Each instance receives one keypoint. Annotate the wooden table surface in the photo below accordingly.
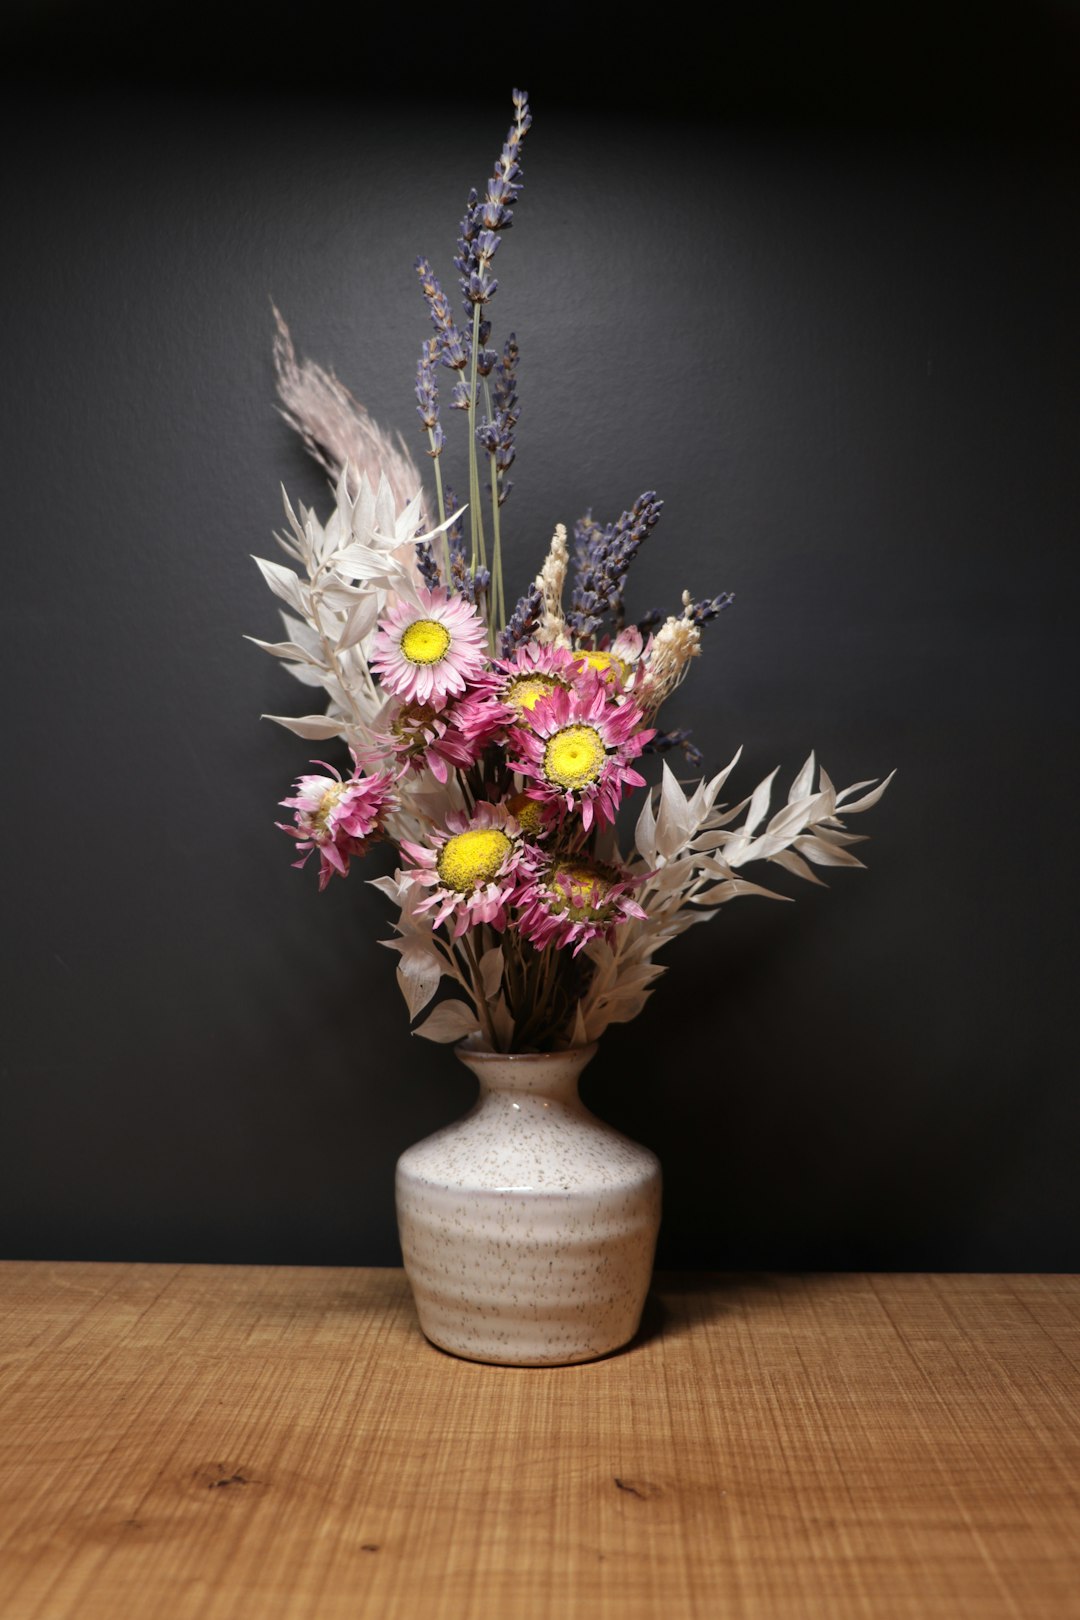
(213, 1441)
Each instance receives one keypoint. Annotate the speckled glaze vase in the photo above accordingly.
(528, 1227)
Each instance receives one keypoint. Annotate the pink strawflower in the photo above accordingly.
(513, 686)
(340, 819)
(577, 747)
(615, 661)
(570, 899)
(426, 653)
(470, 866)
(419, 736)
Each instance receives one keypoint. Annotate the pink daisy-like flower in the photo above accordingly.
(427, 653)
(420, 736)
(569, 899)
(615, 661)
(470, 866)
(511, 689)
(535, 820)
(577, 748)
(340, 819)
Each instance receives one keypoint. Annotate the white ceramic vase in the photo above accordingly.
(528, 1227)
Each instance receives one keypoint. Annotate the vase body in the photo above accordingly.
(528, 1227)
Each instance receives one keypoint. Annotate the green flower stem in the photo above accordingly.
(497, 593)
(479, 999)
(442, 506)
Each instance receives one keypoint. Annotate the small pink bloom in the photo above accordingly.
(340, 819)
(508, 693)
(577, 747)
(614, 661)
(429, 652)
(570, 899)
(419, 736)
(470, 866)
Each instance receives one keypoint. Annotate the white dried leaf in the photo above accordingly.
(303, 633)
(451, 1021)
(316, 727)
(502, 1023)
(361, 620)
(645, 832)
(823, 854)
(804, 782)
(394, 889)
(491, 969)
(283, 649)
(418, 972)
(310, 675)
(673, 822)
(795, 814)
(795, 864)
(284, 583)
(759, 804)
(731, 889)
(867, 800)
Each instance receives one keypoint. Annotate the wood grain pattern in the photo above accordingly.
(197, 1441)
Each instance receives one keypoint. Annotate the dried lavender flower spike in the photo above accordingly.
(452, 347)
(602, 562)
(523, 621)
(710, 606)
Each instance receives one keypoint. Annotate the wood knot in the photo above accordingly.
(223, 1476)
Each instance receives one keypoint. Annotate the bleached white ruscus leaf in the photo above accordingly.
(759, 803)
(491, 969)
(867, 801)
(823, 854)
(451, 1021)
(795, 864)
(310, 674)
(731, 888)
(804, 780)
(645, 833)
(419, 970)
(359, 622)
(315, 727)
(673, 821)
(303, 633)
(708, 792)
(502, 1023)
(284, 649)
(284, 584)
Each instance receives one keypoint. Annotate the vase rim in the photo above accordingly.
(469, 1050)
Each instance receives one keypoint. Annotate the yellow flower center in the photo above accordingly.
(320, 820)
(425, 641)
(604, 663)
(526, 812)
(579, 890)
(574, 757)
(525, 691)
(473, 857)
(410, 718)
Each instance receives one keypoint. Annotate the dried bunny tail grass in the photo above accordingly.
(335, 427)
(550, 581)
(673, 646)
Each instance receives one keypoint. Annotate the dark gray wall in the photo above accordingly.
(841, 340)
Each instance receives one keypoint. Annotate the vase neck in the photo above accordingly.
(551, 1076)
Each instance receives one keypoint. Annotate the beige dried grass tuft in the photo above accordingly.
(336, 429)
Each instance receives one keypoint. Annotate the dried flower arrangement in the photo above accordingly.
(495, 749)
